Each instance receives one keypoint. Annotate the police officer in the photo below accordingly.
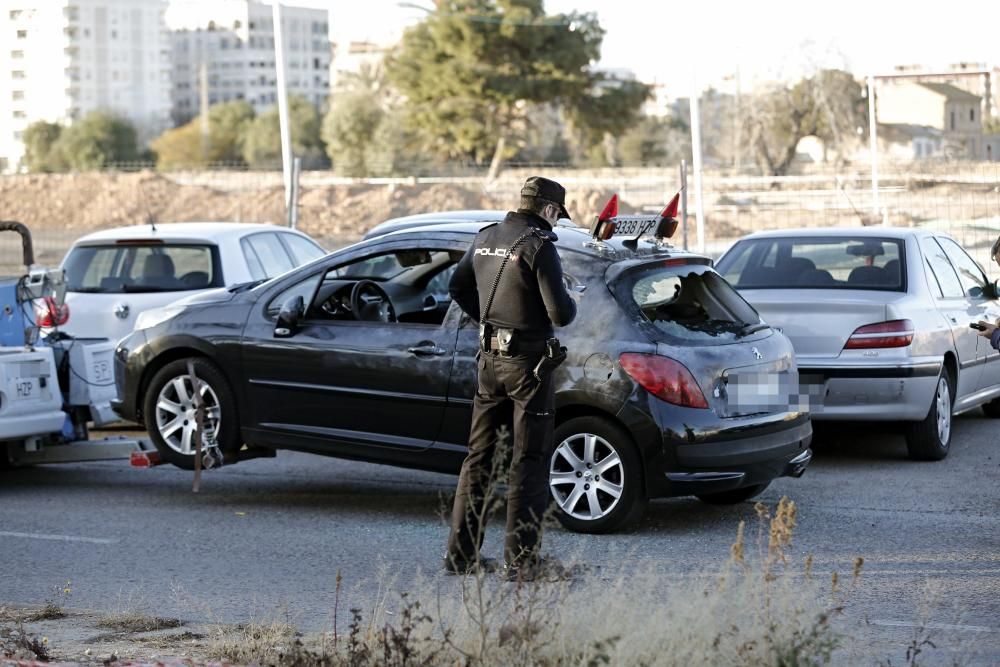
(511, 282)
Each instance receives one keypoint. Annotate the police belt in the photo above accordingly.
(519, 347)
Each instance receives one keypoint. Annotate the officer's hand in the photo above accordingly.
(988, 330)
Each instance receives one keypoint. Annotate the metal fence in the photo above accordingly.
(962, 199)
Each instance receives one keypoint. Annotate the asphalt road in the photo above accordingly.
(274, 532)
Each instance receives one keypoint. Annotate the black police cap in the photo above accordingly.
(543, 188)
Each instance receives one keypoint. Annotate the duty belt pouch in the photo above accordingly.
(506, 344)
(554, 355)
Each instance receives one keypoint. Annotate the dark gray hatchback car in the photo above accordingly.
(673, 385)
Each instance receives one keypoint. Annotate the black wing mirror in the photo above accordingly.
(288, 317)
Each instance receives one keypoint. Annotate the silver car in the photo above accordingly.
(879, 318)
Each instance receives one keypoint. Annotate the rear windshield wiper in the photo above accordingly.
(752, 328)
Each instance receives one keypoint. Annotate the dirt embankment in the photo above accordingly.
(61, 207)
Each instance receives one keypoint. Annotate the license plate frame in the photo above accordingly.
(632, 227)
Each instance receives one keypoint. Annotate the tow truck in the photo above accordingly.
(52, 386)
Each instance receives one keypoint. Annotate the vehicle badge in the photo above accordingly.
(756, 353)
(122, 311)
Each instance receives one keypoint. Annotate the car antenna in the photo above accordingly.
(150, 218)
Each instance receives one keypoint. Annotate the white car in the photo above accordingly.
(114, 275)
(879, 318)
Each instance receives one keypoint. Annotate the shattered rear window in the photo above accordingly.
(690, 303)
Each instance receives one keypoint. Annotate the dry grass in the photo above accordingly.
(51, 611)
(130, 616)
(256, 642)
(134, 621)
(758, 608)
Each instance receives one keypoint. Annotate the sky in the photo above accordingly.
(698, 43)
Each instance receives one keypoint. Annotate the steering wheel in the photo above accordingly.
(368, 299)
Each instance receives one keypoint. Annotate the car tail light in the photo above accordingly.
(897, 333)
(50, 314)
(664, 378)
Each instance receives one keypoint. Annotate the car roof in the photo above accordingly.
(471, 215)
(859, 232)
(180, 231)
(452, 217)
(573, 238)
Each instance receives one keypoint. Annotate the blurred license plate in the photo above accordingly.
(751, 393)
(101, 371)
(25, 389)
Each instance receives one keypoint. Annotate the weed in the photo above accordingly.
(18, 644)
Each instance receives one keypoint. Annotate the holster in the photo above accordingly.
(485, 333)
(554, 355)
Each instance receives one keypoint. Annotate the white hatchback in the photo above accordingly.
(114, 275)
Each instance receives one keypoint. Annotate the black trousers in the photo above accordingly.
(510, 403)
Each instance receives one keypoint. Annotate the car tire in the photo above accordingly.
(733, 497)
(169, 421)
(930, 439)
(572, 474)
(992, 409)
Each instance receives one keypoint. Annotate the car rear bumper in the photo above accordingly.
(689, 452)
(870, 393)
(691, 483)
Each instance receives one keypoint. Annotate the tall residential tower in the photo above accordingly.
(60, 59)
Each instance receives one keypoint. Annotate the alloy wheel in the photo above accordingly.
(586, 476)
(176, 418)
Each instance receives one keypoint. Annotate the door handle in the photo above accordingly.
(430, 350)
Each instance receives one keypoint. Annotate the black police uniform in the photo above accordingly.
(530, 298)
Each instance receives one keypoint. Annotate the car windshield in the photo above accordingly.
(142, 267)
(818, 262)
(688, 304)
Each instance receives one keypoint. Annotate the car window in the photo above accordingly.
(257, 271)
(842, 262)
(942, 272)
(438, 285)
(969, 274)
(270, 252)
(142, 267)
(303, 250)
(689, 303)
(304, 288)
(385, 266)
(415, 280)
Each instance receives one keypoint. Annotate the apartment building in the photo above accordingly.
(61, 59)
(932, 120)
(223, 50)
(976, 78)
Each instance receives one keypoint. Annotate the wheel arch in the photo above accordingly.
(950, 366)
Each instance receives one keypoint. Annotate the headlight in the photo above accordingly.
(150, 318)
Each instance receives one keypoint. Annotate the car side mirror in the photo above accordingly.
(991, 290)
(288, 317)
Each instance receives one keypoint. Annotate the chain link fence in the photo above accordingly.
(962, 199)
